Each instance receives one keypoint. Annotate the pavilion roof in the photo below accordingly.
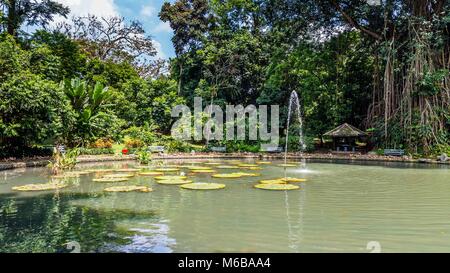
(345, 130)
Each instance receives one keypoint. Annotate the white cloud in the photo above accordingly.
(163, 27)
(100, 8)
(159, 51)
(148, 11)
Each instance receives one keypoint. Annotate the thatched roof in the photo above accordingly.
(345, 130)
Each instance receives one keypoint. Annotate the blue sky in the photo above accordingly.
(146, 11)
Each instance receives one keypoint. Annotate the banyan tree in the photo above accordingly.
(411, 96)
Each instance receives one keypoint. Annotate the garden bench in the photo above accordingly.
(156, 149)
(271, 149)
(219, 149)
(394, 152)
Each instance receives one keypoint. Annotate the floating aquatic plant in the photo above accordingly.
(151, 173)
(128, 189)
(198, 168)
(203, 171)
(203, 186)
(263, 162)
(277, 187)
(248, 165)
(293, 180)
(119, 175)
(273, 181)
(41, 187)
(110, 180)
(170, 177)
(167, 170)
(248, 174)
(173, 182)
(227, 175)
(127, 170)
(227, 167)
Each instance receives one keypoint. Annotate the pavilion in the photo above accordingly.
(345, 137)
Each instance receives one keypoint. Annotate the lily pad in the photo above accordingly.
(127, 170)
(263, 162)
(170, 177)
(248, 165)
(227, 175)
(110, 180)
(203, 186)
(212, 163)
(77, 173)
(173, 182)
(227, 167)
(41, 187)
(293, 180)
(273, 181)
(254, 168)
(249, 174)
(128, 189)
(199, 168)
(151, 173)
(170, 170)
(203, 171)
(119, 175)
(277, 187)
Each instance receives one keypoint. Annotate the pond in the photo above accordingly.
(340, 208)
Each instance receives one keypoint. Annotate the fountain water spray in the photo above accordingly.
(294, 102)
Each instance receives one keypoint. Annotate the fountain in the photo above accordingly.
(294, 102)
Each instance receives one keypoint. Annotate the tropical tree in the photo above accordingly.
(29, 12)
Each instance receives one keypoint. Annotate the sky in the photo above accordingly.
(145, 11)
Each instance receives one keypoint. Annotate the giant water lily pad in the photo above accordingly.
(203, 171)
(119, 175)
(169, 170)
(227, 167)
(293, 180)
(77, 173)
(248, 165)
(203, 186)
(151, 173)
(254, 168)
(272, 181)
(249, 174)
(227, 175)
(170, 177)
(127, 170)
(212, 163)
(110, 180)
(263, 162)
(173, 182)
(41, 187)
(198, 168)
(277, 187)
(128, 189)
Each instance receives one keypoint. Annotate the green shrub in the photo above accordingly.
(96, 151)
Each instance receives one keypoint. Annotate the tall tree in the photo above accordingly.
(112, 39)
(17, 13)
(191, 21)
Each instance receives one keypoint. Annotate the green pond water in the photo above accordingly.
(342, 207)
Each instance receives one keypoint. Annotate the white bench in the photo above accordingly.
(156, 149)
(394, 152)
(271, 149)
(219, 149)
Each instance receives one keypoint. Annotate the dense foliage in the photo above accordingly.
(384, 68)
